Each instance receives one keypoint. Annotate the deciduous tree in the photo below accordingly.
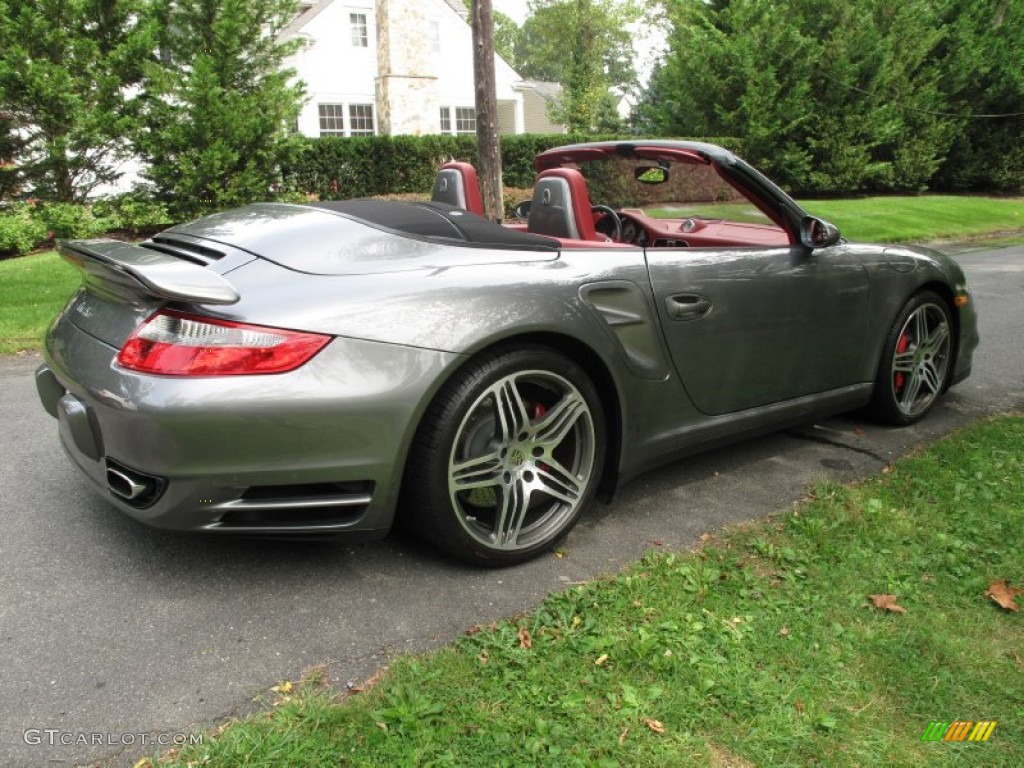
(584, 45)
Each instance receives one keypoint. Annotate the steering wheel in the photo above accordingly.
(615, 220)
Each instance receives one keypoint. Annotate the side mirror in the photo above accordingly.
(818, 233)
(522, 211)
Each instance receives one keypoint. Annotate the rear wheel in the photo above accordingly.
(507, 457)
(916, 362)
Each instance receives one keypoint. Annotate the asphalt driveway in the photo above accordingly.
(110, 630)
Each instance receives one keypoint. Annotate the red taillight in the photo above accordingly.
(177, 344)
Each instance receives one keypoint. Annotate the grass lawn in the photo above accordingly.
(32, 290)
(928, 217)
(886, 219)
(760, 648)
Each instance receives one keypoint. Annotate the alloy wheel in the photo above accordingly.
(522, 460)
(921, 360)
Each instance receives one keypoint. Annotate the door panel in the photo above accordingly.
(752, 326)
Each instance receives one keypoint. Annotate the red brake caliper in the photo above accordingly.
(901, 346)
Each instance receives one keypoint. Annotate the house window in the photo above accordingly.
(446, 120)
(465, 120)
(360, 119)
(332, 120)
(360, 38)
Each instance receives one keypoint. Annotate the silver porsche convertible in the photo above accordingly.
(325, 369)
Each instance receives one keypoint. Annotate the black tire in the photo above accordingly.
(506, 458)
(917, 361)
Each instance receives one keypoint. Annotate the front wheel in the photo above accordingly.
(507, 457)
(916, 362)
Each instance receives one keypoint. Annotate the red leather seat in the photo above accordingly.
(457, 184)
(561, 206)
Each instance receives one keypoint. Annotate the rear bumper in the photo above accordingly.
(319, 450)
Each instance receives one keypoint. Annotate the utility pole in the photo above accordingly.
(488, 145)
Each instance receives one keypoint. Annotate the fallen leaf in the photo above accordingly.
(599, 662)
(622, 736)
(145, 762)
(886, 603)
(483, 658)
(382, 726)
(799, 704)
(1017, 658)
(285, 687)
(1003, 594)
(858, 430)
(369, 682)
(655, 725)
(525, 641)
(886, 469)
(784, 631)
(657, 543)
(219, 729)
(473, 630)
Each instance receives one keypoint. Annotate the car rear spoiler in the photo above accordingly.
(142, 271)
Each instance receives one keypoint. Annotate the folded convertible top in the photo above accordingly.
(438, 220)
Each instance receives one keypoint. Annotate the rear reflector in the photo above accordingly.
(178, 344)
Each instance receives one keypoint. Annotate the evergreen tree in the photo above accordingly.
(11, 146)
(64, 68)
(217, 107)
(983, 79)
(828, 96)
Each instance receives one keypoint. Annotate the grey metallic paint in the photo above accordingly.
(341, 417)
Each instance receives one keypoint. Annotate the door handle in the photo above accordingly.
(687, 306)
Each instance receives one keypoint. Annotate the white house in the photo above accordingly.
(399, 67)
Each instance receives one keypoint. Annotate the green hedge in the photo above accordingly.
(20, 230)
(340, 168)
(365, 166)
(28, 225)
(328, 168)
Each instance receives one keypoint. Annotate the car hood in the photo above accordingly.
(367, 237)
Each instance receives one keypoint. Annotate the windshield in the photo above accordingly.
(692, 191)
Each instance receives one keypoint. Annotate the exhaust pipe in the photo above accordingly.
(124, 485)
